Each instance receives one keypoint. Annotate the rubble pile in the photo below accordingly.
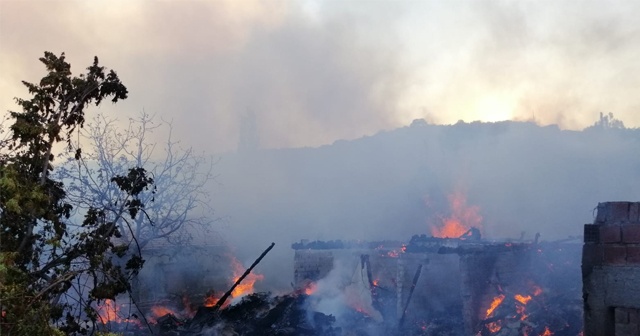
(430, 286)
(255, 314)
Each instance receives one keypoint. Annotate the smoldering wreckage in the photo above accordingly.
(426, 286)
(467, 285)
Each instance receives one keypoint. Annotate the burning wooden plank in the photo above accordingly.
(208, 315)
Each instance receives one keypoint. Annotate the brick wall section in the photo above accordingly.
(614, 238)
(626, 321)
(611, 269)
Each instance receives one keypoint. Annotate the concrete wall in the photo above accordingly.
(611, 270)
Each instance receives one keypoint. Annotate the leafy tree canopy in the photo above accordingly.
(53, 266)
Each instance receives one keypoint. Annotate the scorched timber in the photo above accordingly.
(208, 315)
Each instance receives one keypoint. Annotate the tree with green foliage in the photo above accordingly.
(44, 251)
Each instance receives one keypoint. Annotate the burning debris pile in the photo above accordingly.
(253, 314)
(493, 288)
(460, 286)
(465, 285)
(545, 300)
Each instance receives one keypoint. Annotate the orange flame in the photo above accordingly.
(210, 301)
(522, 298)
(246, 286)
(494, 304)
(108, 312)
(462, 218)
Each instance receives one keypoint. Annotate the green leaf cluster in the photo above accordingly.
(44, 247)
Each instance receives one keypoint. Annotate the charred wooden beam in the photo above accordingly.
(365, 264)
(244, 275)
(413, 287)
(207, 315)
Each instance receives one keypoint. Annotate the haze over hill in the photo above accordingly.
(317, 71)
(522, 177)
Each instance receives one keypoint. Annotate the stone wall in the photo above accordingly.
(611, 270)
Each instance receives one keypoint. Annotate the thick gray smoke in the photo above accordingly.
(315, 72)
(522, 179)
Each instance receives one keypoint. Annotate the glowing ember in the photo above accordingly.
(522, 298)
(546, 332)
(311, 288)
(210, 301)
(462, 218)
(159, 311)
(494, 304)
(396, 253)
(537, 290)
(188, 309)
(494, 327)
(376, 282)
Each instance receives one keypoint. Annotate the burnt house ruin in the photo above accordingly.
(469, 285)
(466, 285)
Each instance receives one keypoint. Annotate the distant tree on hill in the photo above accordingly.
(607, 121)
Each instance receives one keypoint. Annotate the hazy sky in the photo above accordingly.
(317, 71)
